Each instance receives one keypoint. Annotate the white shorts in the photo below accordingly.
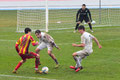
(83, 53)
(43, 45)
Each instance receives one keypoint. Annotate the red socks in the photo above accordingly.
(18, 65)
(36, 63)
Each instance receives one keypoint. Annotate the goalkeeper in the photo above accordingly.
(46, 41)
(83, 14)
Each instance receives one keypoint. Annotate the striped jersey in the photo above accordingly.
(24, 43)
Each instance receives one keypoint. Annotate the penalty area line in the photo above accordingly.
(79, 41)
(64, 43)
(36, 78)
(7, 40)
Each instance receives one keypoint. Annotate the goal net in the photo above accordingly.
(64, 17)
(32, 18)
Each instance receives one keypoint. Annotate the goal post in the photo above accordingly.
(47, 16)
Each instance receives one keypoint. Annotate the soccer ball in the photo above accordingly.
(93, 22)
(45, 70)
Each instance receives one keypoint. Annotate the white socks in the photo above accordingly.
(78, 62)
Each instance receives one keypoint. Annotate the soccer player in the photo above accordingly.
(83, 14)
(23, 52)
(46, 41)
(86, 43)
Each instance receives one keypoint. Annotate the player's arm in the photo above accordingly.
(90, 15)
(17, 46)
(82, 43)
(51, 40)
(79, 45)
(97, 42)
(77, 15)
(33, 41)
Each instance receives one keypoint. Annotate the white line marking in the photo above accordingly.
(86, 30)
(62, 28)
(66, 43)
(79, 41)
(36, 78)
(7, 40)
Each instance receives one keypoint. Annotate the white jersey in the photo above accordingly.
(45, 38)
(46, 41)
(86, 38)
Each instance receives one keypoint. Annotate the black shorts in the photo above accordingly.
(86, 19)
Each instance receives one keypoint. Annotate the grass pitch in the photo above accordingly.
(103, 64)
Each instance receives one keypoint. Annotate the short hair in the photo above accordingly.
(27, 30)
(37, 31)
(81, 27)
(83, 4)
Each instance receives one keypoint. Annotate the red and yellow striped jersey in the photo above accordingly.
(24, 43)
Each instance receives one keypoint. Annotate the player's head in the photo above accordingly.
(83, 6)
(81, 29)
(38, 33)
(27, 30)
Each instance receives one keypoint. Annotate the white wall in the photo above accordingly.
(64, 3)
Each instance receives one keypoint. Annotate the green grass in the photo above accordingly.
(103, 64)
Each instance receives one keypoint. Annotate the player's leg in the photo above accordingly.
(53, 57)
(78, 56)
(75, 56)
(19, 64)
(37, 50)
(36, 56)
(77, 25)
(50, 48)
(80, 21)
(89, 23)
(78, 64)
(82, 54)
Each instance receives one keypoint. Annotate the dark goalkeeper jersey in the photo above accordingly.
(83, 13)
